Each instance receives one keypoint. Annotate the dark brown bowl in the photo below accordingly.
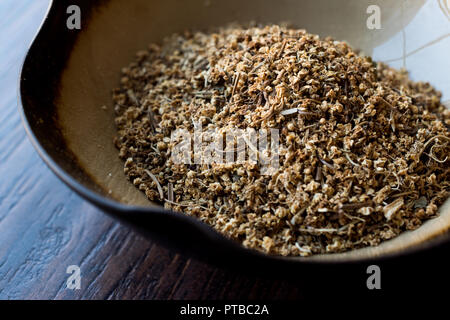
(68, 76)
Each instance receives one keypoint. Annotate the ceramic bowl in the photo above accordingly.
(68, 76)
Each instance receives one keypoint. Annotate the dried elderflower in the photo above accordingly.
(363, 151)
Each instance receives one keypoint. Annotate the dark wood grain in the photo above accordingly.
(45, 227)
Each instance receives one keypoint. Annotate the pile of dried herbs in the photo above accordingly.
(363, 150)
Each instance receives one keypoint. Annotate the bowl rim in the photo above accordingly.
(120, 210)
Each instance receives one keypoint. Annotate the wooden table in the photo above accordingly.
(45, 227)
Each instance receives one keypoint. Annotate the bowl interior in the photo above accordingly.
(115, 30)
